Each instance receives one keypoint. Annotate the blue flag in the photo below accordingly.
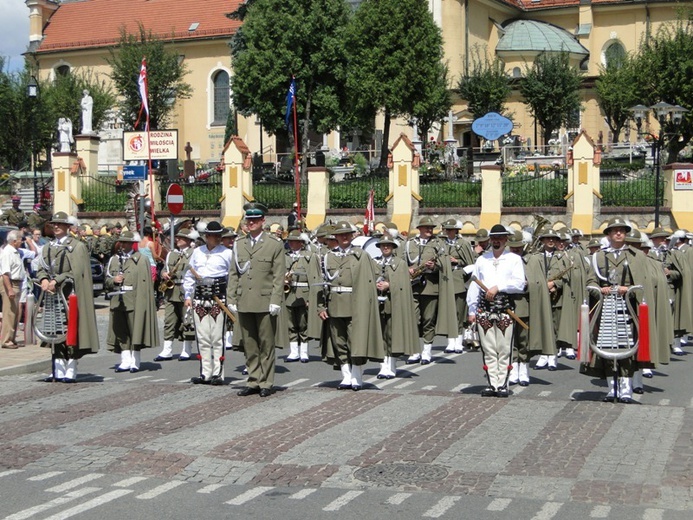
(290, 101)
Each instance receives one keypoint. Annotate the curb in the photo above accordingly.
(43, 365)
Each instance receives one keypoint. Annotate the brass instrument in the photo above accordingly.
(288, 277)
(167, 285)
(540, 223)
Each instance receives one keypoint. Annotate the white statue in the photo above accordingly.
(65, 134)
(87, 106)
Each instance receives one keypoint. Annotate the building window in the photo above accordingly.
(62, 71)
(221, 102)
(614, 55)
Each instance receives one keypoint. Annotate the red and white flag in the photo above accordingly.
(369, 219)
(142, 81)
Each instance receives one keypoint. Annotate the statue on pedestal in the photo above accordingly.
(65, 138)
(87, 111)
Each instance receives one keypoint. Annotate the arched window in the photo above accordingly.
(221, 98)
(614, 55)
(62, 71)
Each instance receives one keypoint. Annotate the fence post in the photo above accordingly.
(67, 187)
(491, 196)
(678, 183)
(237, 181)
(583, 182)
(318, 196)
(403, 163)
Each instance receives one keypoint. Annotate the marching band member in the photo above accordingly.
(66, 259)
(296, 293)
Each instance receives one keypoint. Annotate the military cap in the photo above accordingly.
(184, 233)
(229, 232)
(386, 241)
(452, 224)
(426, 222)
(342, 227)
(127, 236)
(550, 233)
(16, 198)
(322, 231)
(214, 228)
(576, 232)
(594, 243)
(564, 234)
(255, 210)
(516, 239)
(61, 218)
(633, 237)
(499, 230)
(616, 222)
(481, 235)
(295, 235)
(659, 233)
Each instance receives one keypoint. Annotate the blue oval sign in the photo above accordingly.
(492, 126)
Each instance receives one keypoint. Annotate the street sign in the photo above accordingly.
(174, 198)
(492, 126)
(135, 173)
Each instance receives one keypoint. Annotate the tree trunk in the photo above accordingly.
(384, 148)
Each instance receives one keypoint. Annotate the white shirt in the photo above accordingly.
(207, 264)
(11, 263)
(505, 272)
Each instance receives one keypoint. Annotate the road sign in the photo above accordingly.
(174, 198)
(135, 173)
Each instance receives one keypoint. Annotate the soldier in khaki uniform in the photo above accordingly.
(255, 292)
(133, 324)
(296, 292)
(174, 311)
(14, 215)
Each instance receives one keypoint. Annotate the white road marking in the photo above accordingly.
(441, 507)
(600, 512)
(248, 495)
(429, 387)
(398, 498)
(637, 397)
(157, 380)
(548, 511)
(90, 504)
(337, 504)
(74, 483)
(184, 381)
(107, 378)
(293, 383)
(303, 494)
(138, 378)
(461, 387)
(210, 488)
(499, 504)
(664, 402)
(405, 384)
(159, 490)
(545, 393)
(68, 497)
(45, 476)
(129, 482)
(518, 389)
(10, 472)
(653, 514)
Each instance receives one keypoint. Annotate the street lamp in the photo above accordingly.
(32, 92)
(669, 116)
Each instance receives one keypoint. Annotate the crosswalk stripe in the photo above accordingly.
(45, 476)
(10, 472)
(429, 387)
(160, 490)
(653, 514)
(294, 383)
(600, 512)
(519, 389)
(461, 387)
(129, 482)
(545, 393)
(65, 486)
(441, 507)
(548, 510)
(405, 384)
(303, 494)
(398, 498)
(157, 380)
(337, 504)
(138, 378)
(184, 380)
(665, 402)
(69, 497)
(248, 495)
(90, 504)
(210, 488)
(499, 504)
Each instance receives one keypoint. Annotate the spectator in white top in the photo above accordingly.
(13, 276)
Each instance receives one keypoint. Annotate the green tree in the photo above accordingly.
(617, 92)
(165, 77)
(395, 56)
(485, 85)
(281, 38)
(665, 71)
(435, 101)
(14, 132)
(550, 89)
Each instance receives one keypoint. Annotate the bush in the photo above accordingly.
(527, 192)
(450, 194)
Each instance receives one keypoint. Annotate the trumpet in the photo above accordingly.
(166, 285)
(288, 277)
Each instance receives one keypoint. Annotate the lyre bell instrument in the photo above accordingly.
(51, 324)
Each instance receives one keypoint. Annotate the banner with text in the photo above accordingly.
(164, 145)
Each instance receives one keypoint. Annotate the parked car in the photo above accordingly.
(97, 276)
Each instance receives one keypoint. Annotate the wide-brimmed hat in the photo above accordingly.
(617, 222)
(229, 232)
(214, 228)
(342, 227)
(594, 243)
(255, 210)
(127, 236)
(295, 235)
(61, 218)
(516, 239)
(426, 222)
(451, 223)
(550, 233)
(576, 232)
(184, 233)
(481, 235)
(633, 237)
(659, 233)
(499, 230)
(387, 241)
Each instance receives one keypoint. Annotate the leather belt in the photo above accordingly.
(340, 289)
(125, 288)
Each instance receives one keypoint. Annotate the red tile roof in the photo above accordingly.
(97, 23)
(529, 5)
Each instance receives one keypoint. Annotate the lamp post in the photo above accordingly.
(669, 118)
(32, 92)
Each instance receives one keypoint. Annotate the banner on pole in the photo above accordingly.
(164, 145)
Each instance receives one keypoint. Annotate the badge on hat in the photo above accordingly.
(342, 227)
(255, 210)
(60, 218)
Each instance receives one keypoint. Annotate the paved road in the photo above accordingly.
(424, 445)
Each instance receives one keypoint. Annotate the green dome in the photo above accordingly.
(534, 36)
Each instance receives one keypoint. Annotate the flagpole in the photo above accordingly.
(297, 176)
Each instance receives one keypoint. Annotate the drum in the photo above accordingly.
(368, 244)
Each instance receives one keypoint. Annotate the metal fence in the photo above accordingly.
(199, 195)
(548, 189)
(353, 193)
(636, 189)
(103, 193)
(278, 194)
(445, 193)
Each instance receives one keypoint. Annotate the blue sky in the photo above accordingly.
(14, 32)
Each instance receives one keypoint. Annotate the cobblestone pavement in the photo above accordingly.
(393, 443)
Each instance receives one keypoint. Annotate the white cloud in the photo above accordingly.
(14, 32)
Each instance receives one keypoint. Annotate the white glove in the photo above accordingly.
(274, 309)
(233, 308)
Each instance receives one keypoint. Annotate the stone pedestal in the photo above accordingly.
(67, 186)
(237, 181)
(403, 162)
(87, 146)
(318, 196)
